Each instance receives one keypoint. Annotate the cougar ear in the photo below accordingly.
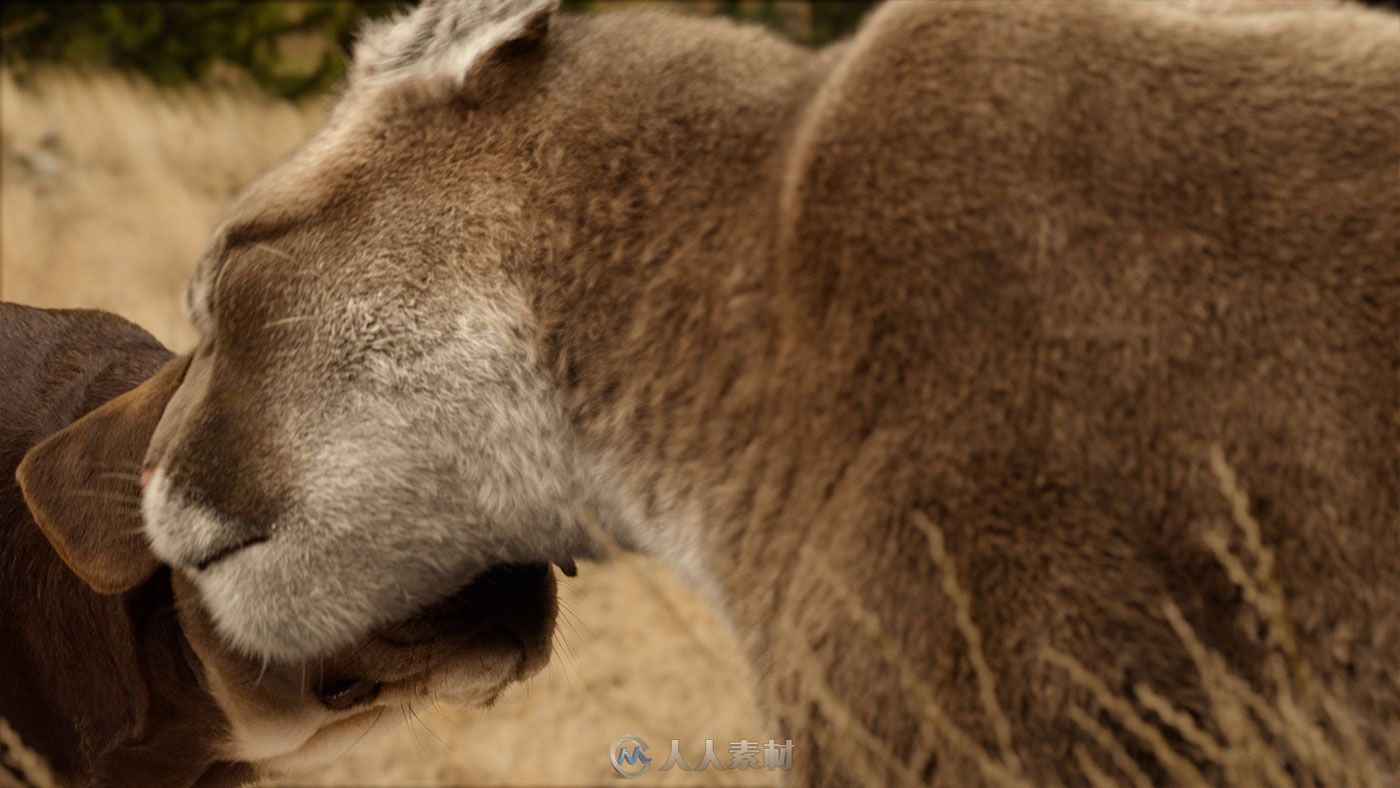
(449, 40)
(81, 485)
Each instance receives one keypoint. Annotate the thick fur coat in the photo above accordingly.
(1046, 297)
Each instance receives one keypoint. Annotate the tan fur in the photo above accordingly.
(1016, 268)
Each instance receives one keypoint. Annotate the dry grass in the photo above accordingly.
(107, 193)
(109, 190)
(1294, 733)
(19, 765)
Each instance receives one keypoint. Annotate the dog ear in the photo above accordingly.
(81, 484)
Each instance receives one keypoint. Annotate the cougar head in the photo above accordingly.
(365, 425)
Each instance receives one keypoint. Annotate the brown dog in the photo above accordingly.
(112, 671)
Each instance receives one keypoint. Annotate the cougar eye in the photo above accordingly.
(341, 694)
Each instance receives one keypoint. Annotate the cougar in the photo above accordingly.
(967, 336)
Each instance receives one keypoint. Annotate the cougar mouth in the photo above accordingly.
(226, 552)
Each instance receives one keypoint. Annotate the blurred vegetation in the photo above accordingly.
(289, 48)
(293, 47)
(297, 47)
(824, 19)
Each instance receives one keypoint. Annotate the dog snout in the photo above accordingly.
(469, 647)
(507, 612)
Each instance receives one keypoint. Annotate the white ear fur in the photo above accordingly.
(445, 40)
